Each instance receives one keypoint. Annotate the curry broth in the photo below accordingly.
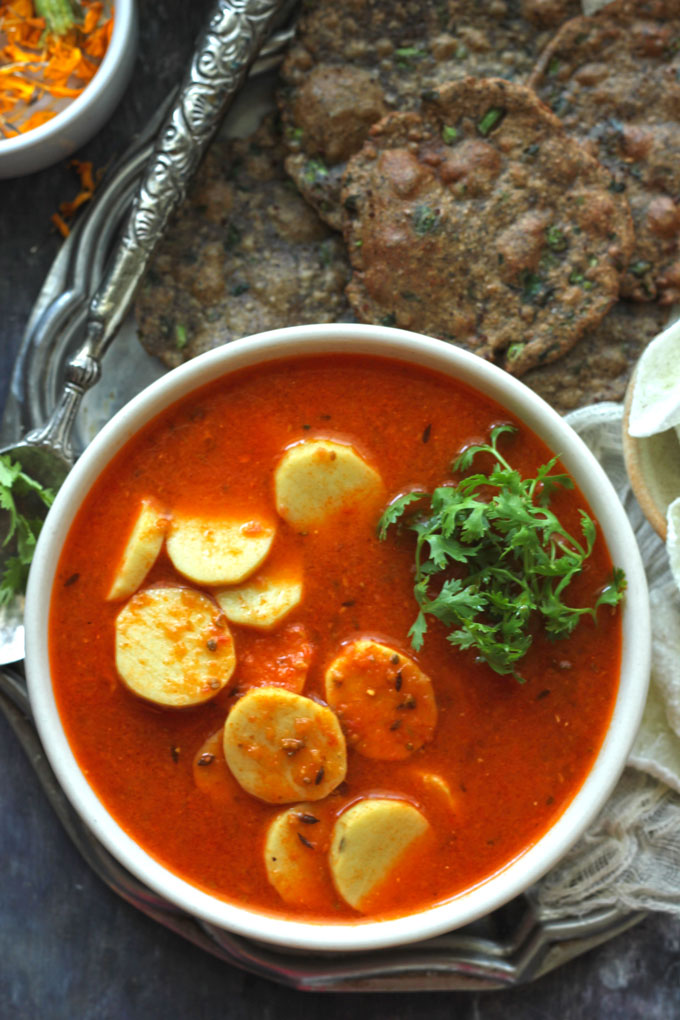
(514, 755)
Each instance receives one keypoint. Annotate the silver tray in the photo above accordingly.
(511, 946)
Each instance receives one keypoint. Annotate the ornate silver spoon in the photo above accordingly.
(235, 32)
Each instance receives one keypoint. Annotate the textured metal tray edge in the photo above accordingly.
(460, 960)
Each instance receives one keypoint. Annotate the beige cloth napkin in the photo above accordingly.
(630, 857)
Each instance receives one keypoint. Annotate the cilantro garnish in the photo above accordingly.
(394, 511)
(493, 116)
(15, 487)
(556, 238)
(425, 219)
(181, 338)
(491, 558)
(407, 54)
(314, 169)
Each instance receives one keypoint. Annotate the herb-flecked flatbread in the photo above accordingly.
(246, 253)
(615, 84)
(599, 366)
(355, 61)
(483, 223)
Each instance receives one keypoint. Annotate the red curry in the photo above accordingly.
(513, 754)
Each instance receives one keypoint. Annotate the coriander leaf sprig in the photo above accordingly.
(15, 488)
(491, 557)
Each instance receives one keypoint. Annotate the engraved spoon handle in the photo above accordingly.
(228, 46)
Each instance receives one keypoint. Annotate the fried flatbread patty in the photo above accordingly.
(599, 366)
(246, 253)
(482, 222)
(615, 84)
(355, 61)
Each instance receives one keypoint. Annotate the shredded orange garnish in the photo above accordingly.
(60, 224)
(36, 119)
(88, 183)
(84, 171)
(39, 67)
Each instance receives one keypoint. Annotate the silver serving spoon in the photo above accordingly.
(236, 30)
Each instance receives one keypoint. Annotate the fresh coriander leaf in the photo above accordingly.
(588, 529)
(22, 531)
(27, 536)
(13, 580)
(611, 595)
(9, 472)
(394, 511)
(443, 549)
(464, 460)
(418, 630)
(512, 558)
(454, 602)
(546, 483)
(7, 503)
(23, 484)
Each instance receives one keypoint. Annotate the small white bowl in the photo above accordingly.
(81, 119)
(538, 416)
(653, 466)
(647, 460)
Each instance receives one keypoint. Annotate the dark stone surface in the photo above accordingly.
(72, 950)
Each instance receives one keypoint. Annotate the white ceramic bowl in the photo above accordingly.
(537, 415)
(653, 466)
(81, 119)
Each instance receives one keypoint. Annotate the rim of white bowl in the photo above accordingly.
(123, 23)
(524, 870)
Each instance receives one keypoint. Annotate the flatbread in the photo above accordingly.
(245, 254)
(354, 62)
(483, 223)
(615, 84)
(599, 366)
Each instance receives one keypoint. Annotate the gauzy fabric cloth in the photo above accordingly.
(630, 856)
